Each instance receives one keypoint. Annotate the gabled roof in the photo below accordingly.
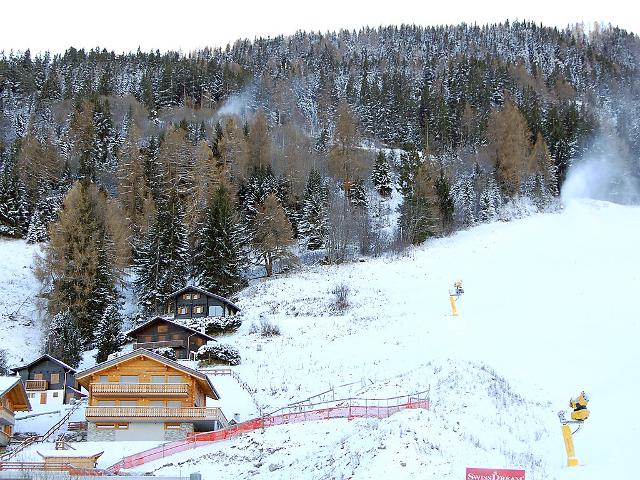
(14, 386)
(164, 319)
(204, 380)
(46, 356)
(204, 292)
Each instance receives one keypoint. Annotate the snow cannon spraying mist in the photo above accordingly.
(454, 295)
(578, 416)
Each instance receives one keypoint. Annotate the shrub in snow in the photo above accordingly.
(341, 292)
(265, 328)
(218, 353)
(166, 352)
(215, 325)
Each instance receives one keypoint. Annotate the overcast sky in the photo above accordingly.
(190, 24)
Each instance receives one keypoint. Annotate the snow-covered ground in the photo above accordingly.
(19, 309)
(546, 313)
(546, 307)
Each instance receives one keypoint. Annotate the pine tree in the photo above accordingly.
(13, 206)
(109, 338)
(219, 260)
(358, 194)
(162, 259)
(490, 201)
(63, 339)
(419, 213)
(445, 202)
(381, 175)
(37, 231)
(314, 216)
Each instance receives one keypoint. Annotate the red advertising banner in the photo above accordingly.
(493, 474)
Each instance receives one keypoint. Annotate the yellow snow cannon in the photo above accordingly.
(579, 406)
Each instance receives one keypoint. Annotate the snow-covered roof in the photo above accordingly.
(47, 357)
(204, 292)
(154, 356)
(7, 383)
(164, 319)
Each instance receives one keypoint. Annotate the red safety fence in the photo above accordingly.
(346, 408)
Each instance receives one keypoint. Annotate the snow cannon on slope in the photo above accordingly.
(453, 296)
(578, 416)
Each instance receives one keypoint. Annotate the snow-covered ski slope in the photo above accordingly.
(549, 310)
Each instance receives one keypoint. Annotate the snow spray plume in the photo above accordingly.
(606, 173)
(237, 104)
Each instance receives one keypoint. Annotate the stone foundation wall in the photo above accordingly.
(95, 434)
(172, 435)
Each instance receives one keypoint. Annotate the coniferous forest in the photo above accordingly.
(213, 167)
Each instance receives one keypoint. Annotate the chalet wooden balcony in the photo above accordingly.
(6, 417)
(37, 385)
(155, 413)
(161, 344)
(137, 389)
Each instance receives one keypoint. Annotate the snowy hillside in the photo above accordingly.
(19, 309)
(545, 307)
(546, 313)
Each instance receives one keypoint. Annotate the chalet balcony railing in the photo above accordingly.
(38, 385)
(6, 417)
(161, 344)
(163, 413)
(120, 389)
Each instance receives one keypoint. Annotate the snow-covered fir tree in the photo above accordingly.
(37, 231)
(314, 217)
(162, 259)
(63, 339)
(109, 338)
(381, 175)
(358, 194)
(220, 258)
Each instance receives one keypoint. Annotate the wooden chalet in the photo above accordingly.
(14, 399)
(145, 396)
(49, 381)
(194, 302)
(160, 332)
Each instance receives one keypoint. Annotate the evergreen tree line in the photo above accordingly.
(128, 163)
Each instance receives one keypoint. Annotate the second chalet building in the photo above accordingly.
(160, 332)
(145, 396)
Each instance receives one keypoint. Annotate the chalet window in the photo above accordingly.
(174, 379)
(55, 394)
(163, 328)
(38, 376)
(176, 336)
(55, 378)
(195, 296)
(105, 426)
(186, 296)
(174, 404)
(156, 403)
(215, 311)
(172, 426)
(182, 310)
(31, 395)
(104, 379)
(122, 426)
(198, 309)
(128, 379)
(162, 338)
(128, 403)
(106, 403)
(157, 378)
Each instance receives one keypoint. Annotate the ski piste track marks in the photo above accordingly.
(346, 408)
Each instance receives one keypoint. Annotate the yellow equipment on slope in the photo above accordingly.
(453, 296)
(578, 415)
